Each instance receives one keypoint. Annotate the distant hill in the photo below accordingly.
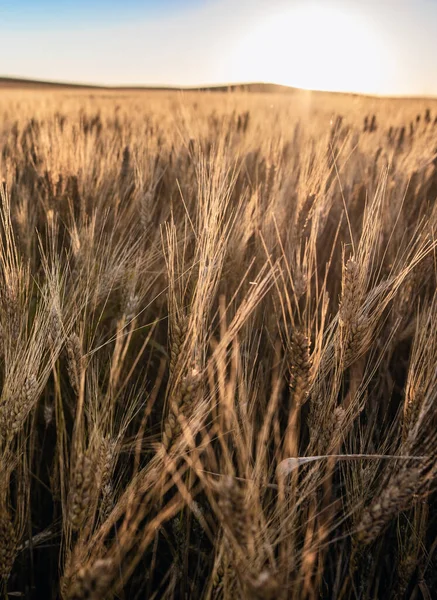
(12, 82)
(256, 87)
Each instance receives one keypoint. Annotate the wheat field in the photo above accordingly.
(218, 346)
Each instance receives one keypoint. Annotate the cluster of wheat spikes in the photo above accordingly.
(218, 346)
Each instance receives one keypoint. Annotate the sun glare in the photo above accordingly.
(314, 46)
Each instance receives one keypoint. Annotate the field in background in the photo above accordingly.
(196, 289)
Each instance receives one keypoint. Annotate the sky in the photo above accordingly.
(369, 46)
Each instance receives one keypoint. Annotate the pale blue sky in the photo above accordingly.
(379, 46)
(31, 14)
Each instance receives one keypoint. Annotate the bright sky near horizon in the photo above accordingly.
(372, 46)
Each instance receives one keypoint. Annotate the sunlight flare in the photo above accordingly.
(315, 46)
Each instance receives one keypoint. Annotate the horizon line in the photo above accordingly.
(227, 86)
